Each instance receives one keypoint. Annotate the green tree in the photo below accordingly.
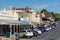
(44, 11)
(52, 13)
(57, 16)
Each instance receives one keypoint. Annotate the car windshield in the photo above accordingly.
(28, 30)
(36, 29)
(23, 31)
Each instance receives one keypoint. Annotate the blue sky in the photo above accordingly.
(50, 5)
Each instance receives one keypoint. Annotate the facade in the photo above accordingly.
(26, 13)
(9, 20)
(48, 15)
(8, 14)
(46, 18)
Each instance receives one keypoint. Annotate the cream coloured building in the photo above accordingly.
(31, 15)
(27, 14)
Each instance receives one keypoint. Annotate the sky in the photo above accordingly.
(50, 5)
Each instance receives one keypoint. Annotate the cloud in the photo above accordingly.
(41, 6)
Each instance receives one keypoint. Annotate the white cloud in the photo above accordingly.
(41, 6)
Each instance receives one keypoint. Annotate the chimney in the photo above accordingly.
(14, 8)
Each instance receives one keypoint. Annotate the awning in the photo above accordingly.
(5, 21)
(28, 22)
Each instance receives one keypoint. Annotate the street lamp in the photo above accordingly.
(31, 25)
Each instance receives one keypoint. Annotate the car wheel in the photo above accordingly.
(35, 34)
(28, 36)
(44, 30)
(53, 27)
(24, 36)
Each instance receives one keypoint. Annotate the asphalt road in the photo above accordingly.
(53, 34)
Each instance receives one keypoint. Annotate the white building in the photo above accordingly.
(8, 14)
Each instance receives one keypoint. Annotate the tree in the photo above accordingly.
(44, 11)
(52, 13)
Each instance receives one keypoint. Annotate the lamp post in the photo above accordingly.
(31, 25)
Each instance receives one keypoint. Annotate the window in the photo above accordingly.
(24, 27)
(19, 19)
(22, 16)
(4, 13)
(36, 16)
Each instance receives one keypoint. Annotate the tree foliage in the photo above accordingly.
(55, 15)
(44, 11)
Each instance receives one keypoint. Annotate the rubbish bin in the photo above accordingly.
(15, 33)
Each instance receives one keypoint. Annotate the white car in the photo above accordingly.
(39, 32)
(26, 33)
(47, 27)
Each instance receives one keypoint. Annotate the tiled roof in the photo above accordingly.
(23, 9)
(48, 15)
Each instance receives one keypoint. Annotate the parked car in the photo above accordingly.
(53, 25)
(42, 29)
(26, 33)
(35, 33)
(47, 27)
(37, 30)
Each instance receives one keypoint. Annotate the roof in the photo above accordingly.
(45, 15)
(48, 15)
(23, 9)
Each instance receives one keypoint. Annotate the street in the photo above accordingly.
(53, 34)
